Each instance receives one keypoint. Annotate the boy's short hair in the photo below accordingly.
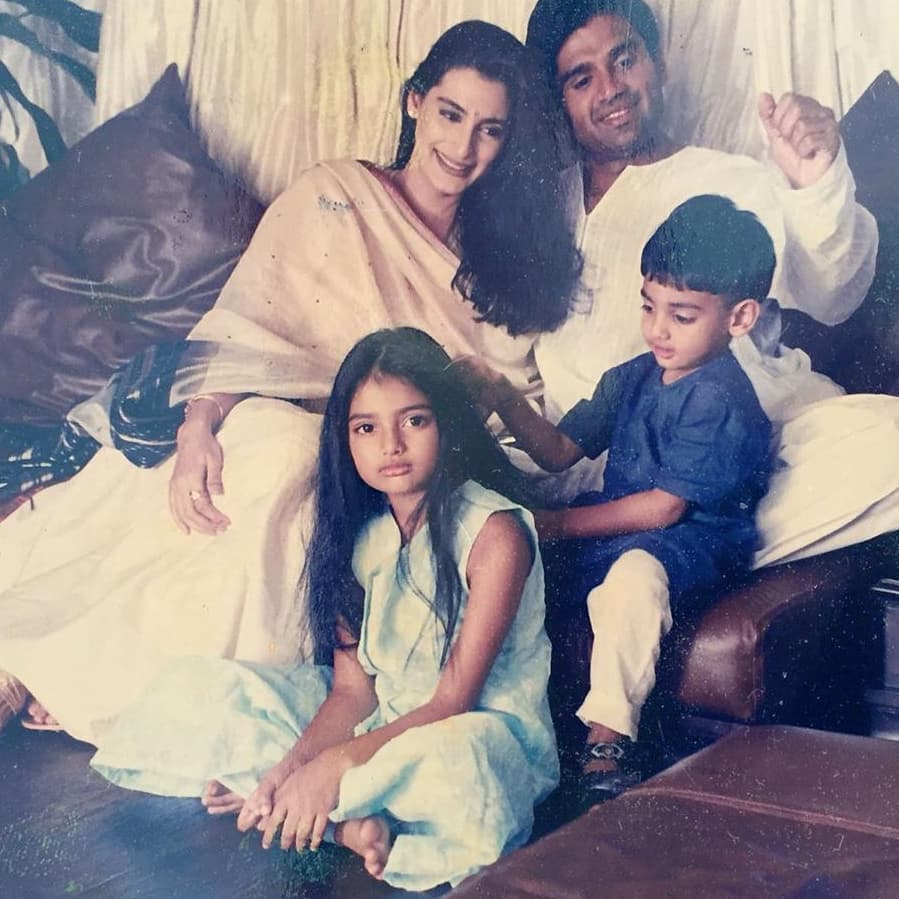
(553, 21)
(709, 245)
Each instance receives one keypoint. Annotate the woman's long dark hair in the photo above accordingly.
(519, 262)
(344, 503)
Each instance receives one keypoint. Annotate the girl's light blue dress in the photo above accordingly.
(462, 790)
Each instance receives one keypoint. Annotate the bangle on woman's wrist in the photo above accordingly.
(205, 396)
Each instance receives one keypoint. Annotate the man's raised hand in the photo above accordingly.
(803, 134)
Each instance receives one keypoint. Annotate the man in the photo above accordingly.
(604, 58)
(837, 483)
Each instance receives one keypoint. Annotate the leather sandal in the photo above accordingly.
(601, 785)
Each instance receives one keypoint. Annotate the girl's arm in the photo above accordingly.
(351, 700)
(498, 566)
(198, 465)
(497, 569)
(644, 511)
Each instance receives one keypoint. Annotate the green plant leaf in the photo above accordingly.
(81, 25)
(12, 28)
(51, 140)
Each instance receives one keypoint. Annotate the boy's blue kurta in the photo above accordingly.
(703, 438)
(462, 789)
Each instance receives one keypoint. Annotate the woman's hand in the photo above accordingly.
(197, 477)
(304, 800)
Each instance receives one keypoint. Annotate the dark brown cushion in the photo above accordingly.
(862, 354)
(767, 769)
(124, 242)
(766, 811)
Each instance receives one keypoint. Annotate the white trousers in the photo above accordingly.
(629, 614)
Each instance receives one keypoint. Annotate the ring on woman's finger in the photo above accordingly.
(194, 495)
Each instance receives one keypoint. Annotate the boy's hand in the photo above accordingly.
(485, 384)
(541, 440)
(804, 136)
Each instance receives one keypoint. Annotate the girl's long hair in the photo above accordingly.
(519, 261)
(344, 503)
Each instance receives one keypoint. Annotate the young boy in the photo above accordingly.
(689, 457)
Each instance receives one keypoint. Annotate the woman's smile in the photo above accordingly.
(457, 170)
(460, 128)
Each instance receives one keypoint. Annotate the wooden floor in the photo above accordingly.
(65, 831)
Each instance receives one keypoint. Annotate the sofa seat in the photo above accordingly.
(764, 812)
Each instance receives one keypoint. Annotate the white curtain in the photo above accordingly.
(722, 53)
(277, 84)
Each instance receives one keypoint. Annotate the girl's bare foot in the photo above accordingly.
(369, 837)
(38, 718)
(219, 800)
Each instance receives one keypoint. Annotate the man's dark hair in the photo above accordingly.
(552, 22)
(709, 245)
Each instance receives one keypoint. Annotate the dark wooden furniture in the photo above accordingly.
(765, 812)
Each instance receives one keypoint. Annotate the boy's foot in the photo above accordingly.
(219, 800)
(36, 717)
(608, 769)
(369, 837)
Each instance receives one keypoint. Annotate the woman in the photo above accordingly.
(462, 237)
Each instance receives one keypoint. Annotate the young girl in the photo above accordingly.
(434, 740)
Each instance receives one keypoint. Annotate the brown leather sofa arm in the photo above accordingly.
(748, 649)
